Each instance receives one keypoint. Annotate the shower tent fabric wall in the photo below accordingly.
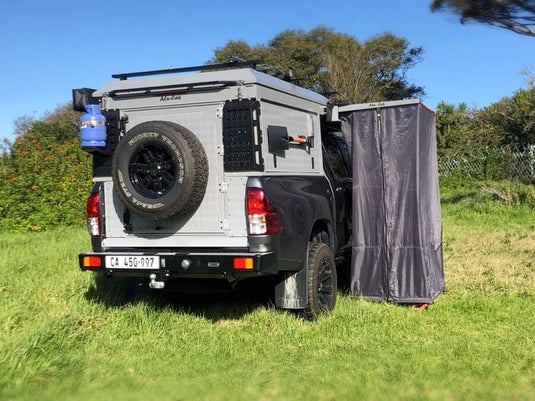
(397, 224)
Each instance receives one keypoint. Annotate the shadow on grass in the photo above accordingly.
(457, 198)
(211, 299)
(214, 301)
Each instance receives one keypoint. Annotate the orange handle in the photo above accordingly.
(299, 140)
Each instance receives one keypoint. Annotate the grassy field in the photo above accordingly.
(66, 335)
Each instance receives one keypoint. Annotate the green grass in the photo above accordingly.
(66, 335)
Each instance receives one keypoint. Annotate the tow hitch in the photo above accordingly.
(155, 285)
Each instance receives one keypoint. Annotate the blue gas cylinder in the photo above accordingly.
(93, 127)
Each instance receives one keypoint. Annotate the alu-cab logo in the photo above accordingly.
(167, 97)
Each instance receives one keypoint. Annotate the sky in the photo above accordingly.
(50, 47)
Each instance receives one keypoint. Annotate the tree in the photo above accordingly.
(373, 70)
(515, 15)
(329, 61)
(453, 126)
(513, 117)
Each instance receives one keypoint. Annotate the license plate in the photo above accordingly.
(132, 262)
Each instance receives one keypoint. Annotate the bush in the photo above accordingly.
(44, 178)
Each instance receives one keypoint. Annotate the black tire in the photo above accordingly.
(321, 281)
(160, 170)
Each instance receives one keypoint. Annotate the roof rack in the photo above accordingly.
(254, 64)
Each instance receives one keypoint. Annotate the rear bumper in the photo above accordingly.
(172, 265)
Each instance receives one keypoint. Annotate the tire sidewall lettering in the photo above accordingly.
(178, 155)
(139, 137)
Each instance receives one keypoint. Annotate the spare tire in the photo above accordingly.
(160, 170)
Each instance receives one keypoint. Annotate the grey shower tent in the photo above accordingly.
(397, 226)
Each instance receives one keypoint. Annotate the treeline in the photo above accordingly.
(510, 121)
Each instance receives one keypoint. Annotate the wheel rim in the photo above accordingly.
(325, 285)
(152, 170)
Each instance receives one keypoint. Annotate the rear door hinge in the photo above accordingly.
(224, 225)
(219, 111)
(221, 150)
(223, 187)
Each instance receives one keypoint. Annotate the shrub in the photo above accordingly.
(44, 178)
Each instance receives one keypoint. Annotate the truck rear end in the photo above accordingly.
(207, 175)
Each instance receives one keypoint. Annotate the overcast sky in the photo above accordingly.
(48, 48)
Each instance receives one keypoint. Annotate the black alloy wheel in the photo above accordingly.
(152, 170)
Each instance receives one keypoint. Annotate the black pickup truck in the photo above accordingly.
(229, 173)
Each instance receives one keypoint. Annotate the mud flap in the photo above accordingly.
(291, 291)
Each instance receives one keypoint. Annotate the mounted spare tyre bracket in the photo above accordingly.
(126, 221)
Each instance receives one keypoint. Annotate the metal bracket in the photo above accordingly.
(223, 187)
(332, 113)
(126, 221)
(122, 125)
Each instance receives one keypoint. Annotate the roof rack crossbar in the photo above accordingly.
(208, 67)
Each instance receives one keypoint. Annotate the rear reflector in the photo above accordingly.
(243, 263)
(92, 261)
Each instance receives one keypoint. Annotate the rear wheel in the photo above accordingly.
(321, 281)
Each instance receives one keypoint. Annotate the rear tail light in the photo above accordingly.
(91, 261)
(93, 214)
(243, 263)
(261, 214)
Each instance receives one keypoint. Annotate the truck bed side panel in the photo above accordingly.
(300, 202)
